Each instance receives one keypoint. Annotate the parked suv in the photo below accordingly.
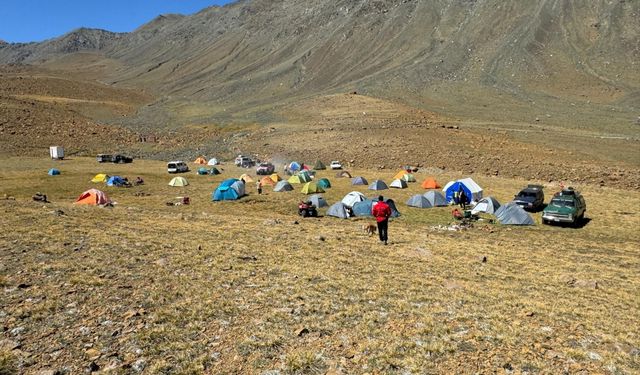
(104, 158)
(121, 159)
(265, 168)
(530, 198)
(244, 161)
(177, 167)
(567, 206)
(335, 165)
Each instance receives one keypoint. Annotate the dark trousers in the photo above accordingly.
(382, 229)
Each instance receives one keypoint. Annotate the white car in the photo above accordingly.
(177, 166)
(335, 165)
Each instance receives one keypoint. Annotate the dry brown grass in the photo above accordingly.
(239, 287)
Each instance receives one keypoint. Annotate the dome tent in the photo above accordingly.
(359, 181)
(419, 201)
(178, 181)
(283, 186)
(318, 201)
(378, 185)
(512, 214)
(399, 184)
(338, 210)
(93, 197)
(436, 198)
(229, 189)
(488, 205)
(53, 172)
(350, 199)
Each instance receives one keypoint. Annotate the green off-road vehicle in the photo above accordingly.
(567, 206)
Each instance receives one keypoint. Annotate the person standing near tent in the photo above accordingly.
(381, 211)
(259, 187)
(462, 197)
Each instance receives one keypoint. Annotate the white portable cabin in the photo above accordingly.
(56, 152)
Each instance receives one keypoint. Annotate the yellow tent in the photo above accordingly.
(201, 160)
(246, 178)
(311, 187)
(295, 179)
(400, 174)
(275, 177)
(100, 177)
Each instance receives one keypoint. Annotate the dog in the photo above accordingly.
(369, 229)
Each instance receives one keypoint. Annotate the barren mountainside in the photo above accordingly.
(446, 55)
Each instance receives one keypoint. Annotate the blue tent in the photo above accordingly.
(324, 183)
(203, 171)
(115, 181)
(363, 208)
(294, 166)
(359, 181)
(53, 172)
(229, 189)
(471, 189)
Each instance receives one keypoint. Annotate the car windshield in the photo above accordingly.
(527, 194)
(562, 202)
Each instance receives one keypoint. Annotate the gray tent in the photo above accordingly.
(359, 181)
(283, 186)
(419, 201)
(399, 184)
(487, 205)
(378, 185)
(337, 210)
(512, 214)
(435, 198)
(318, 201)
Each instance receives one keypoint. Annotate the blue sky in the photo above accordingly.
(37, 20)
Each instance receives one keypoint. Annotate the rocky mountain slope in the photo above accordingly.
(460, 57)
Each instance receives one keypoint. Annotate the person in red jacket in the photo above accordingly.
(381, 211)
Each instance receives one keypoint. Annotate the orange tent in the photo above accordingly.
(267, 181)
(399, 175)
(201, 160)
(93, 197)
(430, 183)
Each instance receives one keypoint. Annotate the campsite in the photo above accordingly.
(194, 194)
(229, 285)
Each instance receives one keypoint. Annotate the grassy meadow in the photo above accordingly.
(250, 287)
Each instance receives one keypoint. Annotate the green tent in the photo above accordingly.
(324, 183)
(319, 166)
(311, 188)
(304, 176)
(214, 171)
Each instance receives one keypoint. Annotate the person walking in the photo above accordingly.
(381, 211)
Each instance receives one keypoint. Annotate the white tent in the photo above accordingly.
(212, 161)
(487, 205)
(352, 198)
(399, 184)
